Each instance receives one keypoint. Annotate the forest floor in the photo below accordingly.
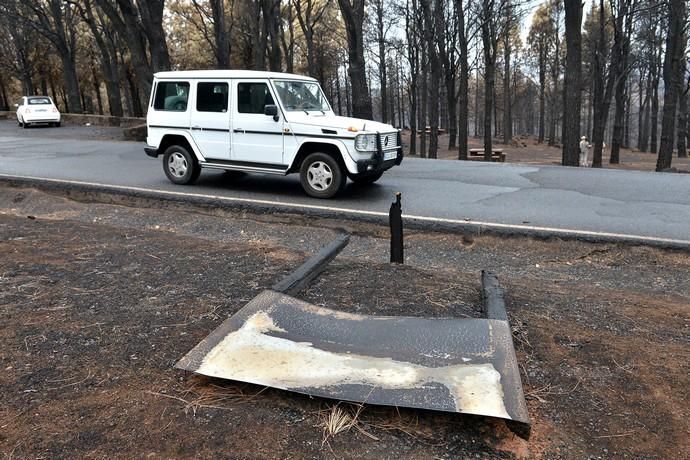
(529, 151)
(98, 301)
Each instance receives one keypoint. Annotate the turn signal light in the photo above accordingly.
(352, 129)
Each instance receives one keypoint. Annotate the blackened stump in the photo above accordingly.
(395, 222)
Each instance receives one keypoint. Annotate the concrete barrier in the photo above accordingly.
(96, 120)
(135, 133)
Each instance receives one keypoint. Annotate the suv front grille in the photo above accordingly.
(389, 141)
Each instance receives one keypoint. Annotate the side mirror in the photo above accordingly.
(271, 110)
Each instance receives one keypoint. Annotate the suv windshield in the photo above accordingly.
(39, 100)
(301, 95)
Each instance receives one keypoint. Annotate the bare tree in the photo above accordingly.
(463, 96)
(430, 29)
(491, 20)
(541, 41)
(309, 14)
(623, 26)
(572, 99)
(412, 35)
(683, 119)
(603, 86)
(353, 17)
(57, 21)
(103, 36)
(675, 50)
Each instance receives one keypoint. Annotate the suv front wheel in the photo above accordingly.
(321, 176)
(180, 166)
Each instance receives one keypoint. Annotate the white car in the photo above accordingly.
(37, 109)
(264, 122)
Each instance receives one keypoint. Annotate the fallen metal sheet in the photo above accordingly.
(452, 365)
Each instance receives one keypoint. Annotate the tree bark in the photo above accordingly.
(489, 41)
(430, 28)
(107, 59)
(424, 98)
(271, 14)
(682, 145)
(675, 49)
(383, 78)
(151, 13)
(221, 33)
(542, 91)
(125, 20)
(507, 107)
(572, 100)
(603, 87)
(463, 96)
(413, 60)
(353, 17)
(623, 29)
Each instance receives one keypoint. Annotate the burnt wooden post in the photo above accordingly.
(395, 222)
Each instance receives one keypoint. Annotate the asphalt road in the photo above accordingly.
(613, 204)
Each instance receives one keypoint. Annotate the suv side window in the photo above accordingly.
(172, 96)
(253, 97)
(212, 97)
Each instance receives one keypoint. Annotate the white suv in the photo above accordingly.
(265, 122)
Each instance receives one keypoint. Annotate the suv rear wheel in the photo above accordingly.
(321, 176)
(180, 166)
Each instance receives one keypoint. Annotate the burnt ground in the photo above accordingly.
(98, 301)
(526, 149)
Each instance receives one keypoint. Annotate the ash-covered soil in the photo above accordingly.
(97, 302)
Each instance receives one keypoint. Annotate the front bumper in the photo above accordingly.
(377, 163)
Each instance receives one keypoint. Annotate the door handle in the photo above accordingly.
(194, 128)
(238, 130)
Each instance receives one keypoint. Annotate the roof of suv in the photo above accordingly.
(230, 74)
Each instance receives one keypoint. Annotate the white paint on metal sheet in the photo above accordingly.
(251, 355)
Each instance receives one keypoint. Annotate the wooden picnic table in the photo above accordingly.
(497, 155)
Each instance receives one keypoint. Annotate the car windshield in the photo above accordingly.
(39, 100)
(301, 95)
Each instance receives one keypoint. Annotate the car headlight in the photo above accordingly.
(365, 142)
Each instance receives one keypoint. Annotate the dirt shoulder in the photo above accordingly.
(98, 302)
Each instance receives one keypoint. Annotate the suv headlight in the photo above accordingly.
(365, 142)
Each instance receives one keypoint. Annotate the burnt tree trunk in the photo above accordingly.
(125, 20)
(353, 17)
(424, 98)
(151, 13)
(463, 96)
(682, 145)
(623, 29)
(383, 77)
(107, 58)
(542, 93)
(675, 49)
(430, 28)
(507, 107)
(413, 60)
(572, 100)
(603, 88)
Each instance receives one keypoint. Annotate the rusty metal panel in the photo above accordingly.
(453, 365)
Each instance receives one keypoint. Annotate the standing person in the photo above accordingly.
(584, 151)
